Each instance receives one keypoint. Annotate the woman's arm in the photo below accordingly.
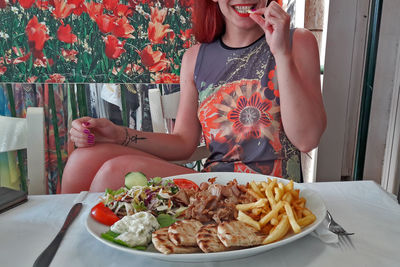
(176, 146)
(302, 109)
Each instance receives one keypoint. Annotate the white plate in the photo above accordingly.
(314, 203)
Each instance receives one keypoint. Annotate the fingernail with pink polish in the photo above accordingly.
(86, 131)
(86, 124)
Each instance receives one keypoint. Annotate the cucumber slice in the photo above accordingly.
(134, 179)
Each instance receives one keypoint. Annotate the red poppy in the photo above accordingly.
(79, 6)
(154, 60)
(110, 4)
(3, 69)
(31, 79)
(129, 70)
(3, 4)
(62, 9)
(123, 29)
(185, 36)
(26, 3)
(157, 31)
(123, 10)
(42, 5)
(55, 78)
(185, 3)
(166, 78)
(22, 58)
(114, 47)
(158, 15)
(168, 3)
(65, 35)
(69, 55)
(94, 9)
(106, 23)
(37, 33)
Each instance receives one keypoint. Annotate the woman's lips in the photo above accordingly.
(243, 9)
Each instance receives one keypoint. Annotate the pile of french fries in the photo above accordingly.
(278, 209)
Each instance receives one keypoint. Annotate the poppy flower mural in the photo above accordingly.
(93, 41)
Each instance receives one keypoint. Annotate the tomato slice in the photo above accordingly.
(186, 184)
(103, 214)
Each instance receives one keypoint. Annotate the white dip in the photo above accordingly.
(136, 229)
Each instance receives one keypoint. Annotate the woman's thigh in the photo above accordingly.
(84, 163)
(112, 172)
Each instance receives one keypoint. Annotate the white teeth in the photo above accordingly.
(243, 9)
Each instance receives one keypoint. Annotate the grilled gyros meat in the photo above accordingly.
(164, 245)
(183, 233)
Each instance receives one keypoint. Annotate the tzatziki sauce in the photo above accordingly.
(136, 229)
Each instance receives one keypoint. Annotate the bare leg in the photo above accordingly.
(83, 164)
(112, 172)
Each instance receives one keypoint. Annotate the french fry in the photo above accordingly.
(273, 213)
(254, 194)
(270, 196)
(274, 221)
(309, 219)
(280, 231)
(248, 220)
(287, 197)
(254, 205)
(255, 188)
(278, 193)
(296, 228)
(289, 186)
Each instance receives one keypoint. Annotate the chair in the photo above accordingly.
(164, 107)
(27, 133)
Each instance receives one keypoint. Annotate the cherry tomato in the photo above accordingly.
(103, 214)
(186, 184)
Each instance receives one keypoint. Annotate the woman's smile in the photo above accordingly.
(243, 9)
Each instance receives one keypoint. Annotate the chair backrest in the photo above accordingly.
(27, 133)
(164, 107)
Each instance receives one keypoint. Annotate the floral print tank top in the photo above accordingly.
(239, 110)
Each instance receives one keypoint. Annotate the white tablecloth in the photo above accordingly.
(361, 207)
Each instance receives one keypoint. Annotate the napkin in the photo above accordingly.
(323, 234)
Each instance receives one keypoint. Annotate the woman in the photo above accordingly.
(229, 89)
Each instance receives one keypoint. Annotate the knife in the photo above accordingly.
(47, 255)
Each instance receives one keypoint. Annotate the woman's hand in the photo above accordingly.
(276, 24)
(87, 131)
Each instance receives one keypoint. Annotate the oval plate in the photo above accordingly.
(314, 203)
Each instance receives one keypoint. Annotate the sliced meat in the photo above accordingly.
(162, 243)
(207, 239)
(239, 234)
(183, 233)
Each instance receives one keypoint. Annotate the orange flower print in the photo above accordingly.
(94, 9)
(129, 70)
(56, 78)
(65, 35)
(185, 36)
(37, 33)
(157, 31)
(62, 9)
(250, 115)
(114, 47)
(154, 60)
(240, 167)
(122, 28)
(26, 3)
(106, 23)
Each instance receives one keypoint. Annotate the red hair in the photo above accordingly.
(208, 21)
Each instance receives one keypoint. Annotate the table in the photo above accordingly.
(362, 207)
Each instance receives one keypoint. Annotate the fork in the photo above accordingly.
(334, 227)
(342, 234)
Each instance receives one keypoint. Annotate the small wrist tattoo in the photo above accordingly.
(131, 139)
